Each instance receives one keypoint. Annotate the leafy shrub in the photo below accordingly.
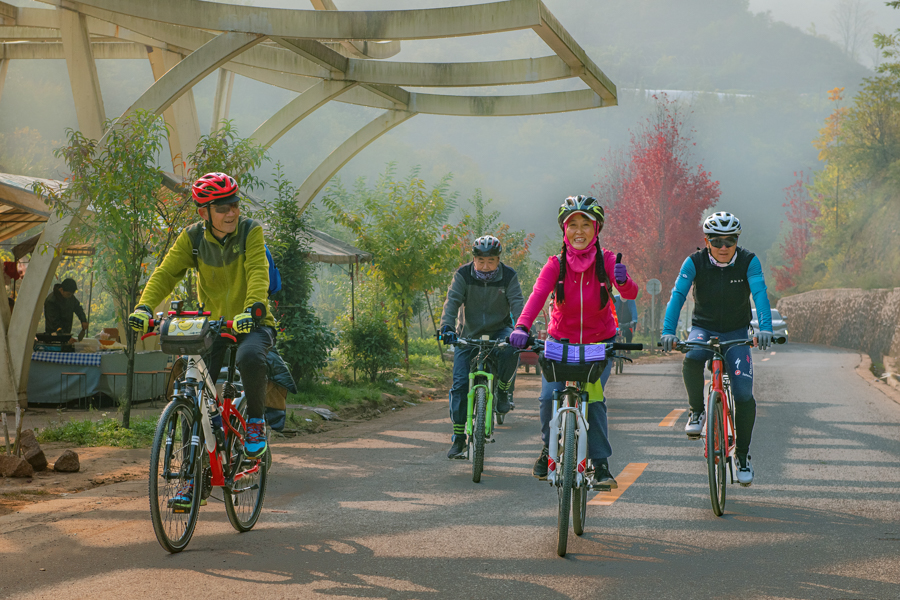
(427, 346)
(369, 345)
(105, 432)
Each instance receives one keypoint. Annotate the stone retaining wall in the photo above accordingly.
(864, 320)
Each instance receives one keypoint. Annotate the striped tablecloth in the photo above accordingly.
(90, 359)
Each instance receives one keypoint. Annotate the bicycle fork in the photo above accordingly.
(489, 407)
(557, 429)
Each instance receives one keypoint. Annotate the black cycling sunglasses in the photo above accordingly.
(723, 242)
(224, 209)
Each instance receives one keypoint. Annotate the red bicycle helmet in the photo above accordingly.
(215, 188)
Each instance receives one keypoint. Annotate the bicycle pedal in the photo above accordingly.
(600, 488)
(746, 484)
(693, 437)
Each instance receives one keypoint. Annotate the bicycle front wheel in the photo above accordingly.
(565, 488)
(244, 499)
(478, 429)
(171, 471)
(716, 448)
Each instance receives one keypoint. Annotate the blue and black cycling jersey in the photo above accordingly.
(721, 294)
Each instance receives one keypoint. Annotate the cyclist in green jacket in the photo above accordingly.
(233, 274)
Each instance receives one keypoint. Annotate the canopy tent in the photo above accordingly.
(327, 249)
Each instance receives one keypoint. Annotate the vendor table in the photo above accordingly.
(58, 377)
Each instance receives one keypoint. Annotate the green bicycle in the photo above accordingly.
(480, 407)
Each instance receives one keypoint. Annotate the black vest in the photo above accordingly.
(722, 294)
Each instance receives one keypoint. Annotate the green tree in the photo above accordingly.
(120, 182)
(304, 341)
(400, 223)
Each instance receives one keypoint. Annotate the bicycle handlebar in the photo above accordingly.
(535, 345)
(714, 343)
(479, 342)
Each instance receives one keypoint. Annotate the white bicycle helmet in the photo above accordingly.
(722, 223)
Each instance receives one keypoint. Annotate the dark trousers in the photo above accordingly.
(252, 350)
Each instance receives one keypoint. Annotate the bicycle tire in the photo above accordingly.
(579, 509)
(716, 446)
(478, 428)
(565, 490)
(244, 506)
(174, 530)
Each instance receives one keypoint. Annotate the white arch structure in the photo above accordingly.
(325, 54)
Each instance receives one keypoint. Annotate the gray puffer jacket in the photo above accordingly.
(488, 306)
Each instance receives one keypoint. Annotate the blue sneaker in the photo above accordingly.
(255, 440)
(183, 499)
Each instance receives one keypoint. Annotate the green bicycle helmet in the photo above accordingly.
(585, 205)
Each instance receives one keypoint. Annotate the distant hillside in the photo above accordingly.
(708, 45)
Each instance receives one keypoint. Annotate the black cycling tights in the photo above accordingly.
(745, 412)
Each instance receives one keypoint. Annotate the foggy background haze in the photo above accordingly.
(752, 77)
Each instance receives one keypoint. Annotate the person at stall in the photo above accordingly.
(61, 306)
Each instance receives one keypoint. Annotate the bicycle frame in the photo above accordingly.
(470, 398)
(197, 379)
(570, 399)
(720, 383)
(482, 363)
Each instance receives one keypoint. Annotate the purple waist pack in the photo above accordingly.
(574, 353)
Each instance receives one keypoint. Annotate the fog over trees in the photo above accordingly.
(754, 88)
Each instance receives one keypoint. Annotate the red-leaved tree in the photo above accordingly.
(801, 215)
(655, 197)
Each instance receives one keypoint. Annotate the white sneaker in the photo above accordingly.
(745, 473)
(695, 424)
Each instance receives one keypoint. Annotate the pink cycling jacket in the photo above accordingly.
(579, 318)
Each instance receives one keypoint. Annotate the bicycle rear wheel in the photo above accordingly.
(244, 500)
(579, 509)
(478, 426)
(171, 469)
(565, 487)
(716, 447)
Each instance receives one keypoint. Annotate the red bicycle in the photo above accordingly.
(718, 432)
(199, 439)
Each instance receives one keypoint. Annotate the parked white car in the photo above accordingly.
(779, 325)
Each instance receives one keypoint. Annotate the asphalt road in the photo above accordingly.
(375, 510)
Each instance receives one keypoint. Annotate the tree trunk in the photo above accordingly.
(129, 377)
(405, 333)
(431, 314)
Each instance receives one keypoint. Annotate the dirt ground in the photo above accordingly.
(99, 466)
(105, 465)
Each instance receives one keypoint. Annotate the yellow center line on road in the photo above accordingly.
(628, 476)
(672, 417)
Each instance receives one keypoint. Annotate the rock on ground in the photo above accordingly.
(32, 451)
(15, 466)
(67, 463)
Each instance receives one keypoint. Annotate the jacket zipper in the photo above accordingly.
(581, 310)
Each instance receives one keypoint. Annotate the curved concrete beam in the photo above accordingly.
(360, 49)
(335, 25)
(343, 153)
(505, 106)
(488, 73)
(298, 109)
(193, 68)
